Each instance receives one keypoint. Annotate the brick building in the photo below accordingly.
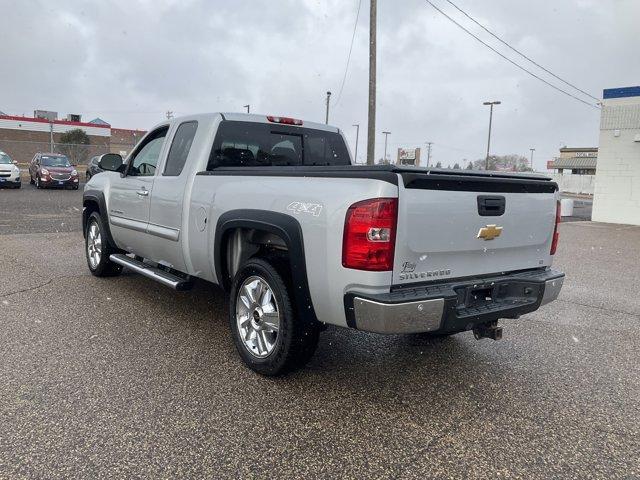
(22, 137)
(123, 140)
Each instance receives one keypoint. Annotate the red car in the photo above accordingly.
(52, 170)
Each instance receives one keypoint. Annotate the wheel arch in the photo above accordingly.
(271, 224)
(93, 201)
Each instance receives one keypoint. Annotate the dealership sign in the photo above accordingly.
(407, 154)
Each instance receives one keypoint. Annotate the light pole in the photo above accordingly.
(386, 136)
(248, 107)
(328, 98)
(357, 125)
(491, 104)
(429, 153)
(531, 163)
(371, 127)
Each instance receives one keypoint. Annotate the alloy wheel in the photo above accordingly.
(94, 245)
(257, 316)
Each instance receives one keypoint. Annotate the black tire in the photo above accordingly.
(19, 185)
(296, 339)
(38, 182)
(75, 187)
(104, 267)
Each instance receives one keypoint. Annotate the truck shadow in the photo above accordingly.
(346, 361)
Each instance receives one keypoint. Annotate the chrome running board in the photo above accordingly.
(159, 275)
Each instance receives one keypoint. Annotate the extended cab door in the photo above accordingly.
(130, 194)
(165, 229)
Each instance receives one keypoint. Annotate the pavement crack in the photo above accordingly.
(35, 287)
(599, 308)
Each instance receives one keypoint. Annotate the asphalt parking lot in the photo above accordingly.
(121, 377)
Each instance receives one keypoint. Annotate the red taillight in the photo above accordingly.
(285, 120)
(370, 234)
(556, 235)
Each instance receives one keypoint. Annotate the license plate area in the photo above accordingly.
(496, 295)
(480, 295)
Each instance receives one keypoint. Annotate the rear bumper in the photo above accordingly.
(453, 306)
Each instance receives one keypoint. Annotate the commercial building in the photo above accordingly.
(22, 137)
(123, 140)
(576, 161)
(617, 187)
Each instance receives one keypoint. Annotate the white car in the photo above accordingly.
(9, 171)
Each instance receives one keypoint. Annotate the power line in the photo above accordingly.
(346, 69)
(509, 60)
(519, 52)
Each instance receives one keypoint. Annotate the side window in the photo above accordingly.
(180, 147)
(144, 160)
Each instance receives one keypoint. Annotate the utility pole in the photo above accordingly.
(386, 135)
(248, 107)
(531, 164)
(328, 98)
(491, 104)
(371, 127)
(169, 114)
(50, 136)
(429, 153)
(357, 125)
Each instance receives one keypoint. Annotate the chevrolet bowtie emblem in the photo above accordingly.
(489, 232)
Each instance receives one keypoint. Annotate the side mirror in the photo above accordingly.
(111, 162)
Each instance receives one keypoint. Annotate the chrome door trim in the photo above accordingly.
(129, 223)
(168, 233)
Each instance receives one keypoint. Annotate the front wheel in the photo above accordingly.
(269, 336)
(98, 249)
(38, 185)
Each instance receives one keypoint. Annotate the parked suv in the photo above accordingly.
(52, 170)
(9, 171)
(93, 168)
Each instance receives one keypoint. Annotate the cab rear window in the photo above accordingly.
(251, 144)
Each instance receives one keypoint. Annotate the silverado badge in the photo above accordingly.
(489, 232)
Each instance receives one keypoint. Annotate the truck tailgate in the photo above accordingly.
(452, 226)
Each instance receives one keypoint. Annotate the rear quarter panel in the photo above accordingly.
(322, 219)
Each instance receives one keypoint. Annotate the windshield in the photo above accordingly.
(4, 158)
(57, 161)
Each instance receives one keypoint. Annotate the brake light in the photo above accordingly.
(284, 120)
(370, 235)
(556, 235)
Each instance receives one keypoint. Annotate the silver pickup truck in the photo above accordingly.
(272, 210)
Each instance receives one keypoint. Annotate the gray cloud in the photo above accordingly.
(128, 62)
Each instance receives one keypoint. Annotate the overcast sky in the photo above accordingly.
(129, 62)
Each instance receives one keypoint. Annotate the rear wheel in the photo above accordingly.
(269, 336)
(98, 249)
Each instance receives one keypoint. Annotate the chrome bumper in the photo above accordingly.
(552, 290)
(438, 308)
(411, 317)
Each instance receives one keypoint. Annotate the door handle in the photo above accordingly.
(143, 193)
